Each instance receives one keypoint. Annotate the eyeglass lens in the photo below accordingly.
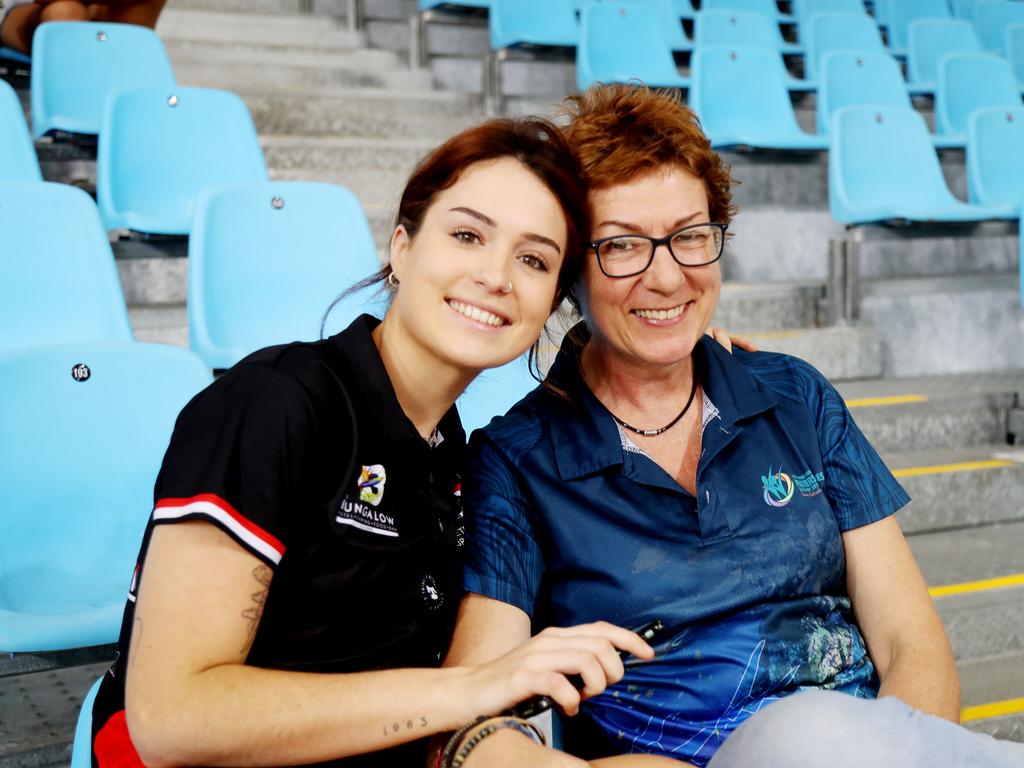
(691, 246)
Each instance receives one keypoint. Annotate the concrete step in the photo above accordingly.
(1000, 677)
(947, 324)
(273, 30)
(160, 324)
(840, 353)
(753, 307)
(960, 487)
(368, 60)
(934, 412)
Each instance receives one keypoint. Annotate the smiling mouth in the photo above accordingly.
(660, 314)
(475, 313)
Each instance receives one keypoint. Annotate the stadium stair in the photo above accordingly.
(934, 370)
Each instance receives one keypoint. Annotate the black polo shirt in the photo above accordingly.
(302, 454)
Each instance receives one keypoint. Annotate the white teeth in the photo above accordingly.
(475, 313)
(660, 314)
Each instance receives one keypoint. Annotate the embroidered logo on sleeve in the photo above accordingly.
(371, 483)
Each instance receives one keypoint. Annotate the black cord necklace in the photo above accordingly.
(653, 432)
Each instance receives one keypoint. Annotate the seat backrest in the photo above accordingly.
(265, 262)
(532, 22)
(623, 41)
(671, 13)
(880, 158)
(963, 9)
(159, 149)
(839, 32)
(992, 17)
(737, 86)
(928, 40)
(76, 64)
(17, 154)
(804, 9)
(858, 77)
(1015, 50)
(84, 429)
(493, 392)
(765, 7)
(728, 27)
(970, 81)
(995, 156)
(81, 749)
(58, 280)
(903, 12)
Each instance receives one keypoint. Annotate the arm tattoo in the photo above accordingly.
(408, 725)
(263, 575)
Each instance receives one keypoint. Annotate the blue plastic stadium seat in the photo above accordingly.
(992, 17)
(18, 160)
(963, 9)
(58, 281)
(928, 40)
(995, 156)
(839, 32)
(804, 9)
(742, 28)
(623, 41)
(9, 54)
(85, 428)
(426, 5)
(858, 77)
(684, 8)
(767, 7)
(902, 12)
(493, 392)
(970, 81)
(159, 149)
(671, 24)
(882, 167)
(81, 749)
(533, 22)
(739, 93)
(265, 262)
(1015, 51)
(76, 64)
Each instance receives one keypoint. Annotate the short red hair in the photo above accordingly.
(622, 132)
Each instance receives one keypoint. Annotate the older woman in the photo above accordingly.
(656, 476)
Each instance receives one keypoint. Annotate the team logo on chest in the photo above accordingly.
(371, 483)
(778, 488)
(363, 514)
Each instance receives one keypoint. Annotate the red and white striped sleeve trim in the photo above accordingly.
(217, 510)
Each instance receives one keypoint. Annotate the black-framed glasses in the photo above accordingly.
(695, 245)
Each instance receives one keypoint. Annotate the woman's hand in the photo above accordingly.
(727, 340)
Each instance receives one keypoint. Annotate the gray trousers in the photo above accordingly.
(824, 729)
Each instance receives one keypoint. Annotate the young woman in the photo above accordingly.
(299, 577)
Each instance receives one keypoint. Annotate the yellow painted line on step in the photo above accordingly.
(995, 709)
(866, 402)
(963, 466)
(1000, 582)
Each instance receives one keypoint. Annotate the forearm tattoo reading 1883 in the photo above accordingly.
(393, 729)
(254, 613)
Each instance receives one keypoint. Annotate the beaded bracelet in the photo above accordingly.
(526, 728)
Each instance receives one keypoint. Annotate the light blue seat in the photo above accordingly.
(963, 9)
(743, 28)
(970, 81)
(684, 9)
(902, 12)
(532, 22)
(81, 749)
(58, 281)
(671, 24)
(85, 427)
(928, 40)
(9, 54)
(855, 78)
(159, 149)
(265, 262)
(493, 392)
(18, 160)
(804, 9)
(839, 32)
(992, 17)
(623, 41)
(767, 7)
(882, 168)
(995, 156)
(76, 64)
(1015, 51)
(739, 93)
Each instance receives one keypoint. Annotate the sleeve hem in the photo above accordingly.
(863, 515)
(214, 509)
(495, 590)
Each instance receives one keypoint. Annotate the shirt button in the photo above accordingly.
(441, 526)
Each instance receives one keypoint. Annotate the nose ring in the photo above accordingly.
(507, 287)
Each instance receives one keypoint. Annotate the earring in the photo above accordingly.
(393, 280)
(507, 288)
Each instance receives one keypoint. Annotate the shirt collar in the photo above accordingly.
(584, 436)
(376, 393)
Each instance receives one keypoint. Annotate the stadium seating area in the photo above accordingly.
(880, 152)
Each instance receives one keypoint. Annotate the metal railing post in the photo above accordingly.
(835, 285)
(354, 14)
(417, 41)
(851, 299)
